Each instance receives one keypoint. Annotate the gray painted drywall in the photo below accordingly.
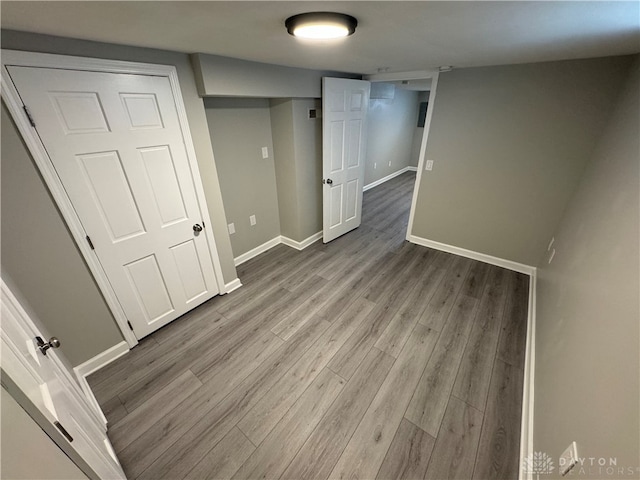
(308, 149)
(193, 105)
(239, 128)
(42, 264)
(298, 151)
(587, 376)
(509, 145)
(27, 451)
(233, 77)
(417, 134)
(284, 150)
(390, 129)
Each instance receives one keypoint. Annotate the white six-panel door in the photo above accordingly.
(116, 144)
(345, 103)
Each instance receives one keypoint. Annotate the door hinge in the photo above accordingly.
(90, 243)
(130, 326)
(26, 111)
(63, 431)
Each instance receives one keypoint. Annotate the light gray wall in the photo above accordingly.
(27, 451)
(298, 153)
(40, 260)
(308, 148)
(390, 129)
(587, 376)
(284, 149)
(509, 145)
(418, 133)
(233, 77)
(239, 128)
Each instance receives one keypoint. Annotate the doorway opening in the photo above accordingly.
(397, 118)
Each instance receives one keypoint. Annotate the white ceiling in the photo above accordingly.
(392, 35)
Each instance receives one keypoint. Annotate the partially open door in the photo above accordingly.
(30, 362)
(345, 103)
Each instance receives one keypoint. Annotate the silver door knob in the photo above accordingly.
(52, 343)
(197, 228)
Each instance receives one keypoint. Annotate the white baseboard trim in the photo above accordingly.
(389, 177)
(233, 285)
(303, 244)
(482, 257)
(254, 252)
(85, 369)
(245, 257)
(526, 426)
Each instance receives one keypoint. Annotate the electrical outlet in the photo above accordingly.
(232, 228)
(265, 152)
(429, 165)
(568, 459)
(252, 220)
(375, 165)
(389, 162)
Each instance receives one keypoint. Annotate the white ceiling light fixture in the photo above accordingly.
(321, 25)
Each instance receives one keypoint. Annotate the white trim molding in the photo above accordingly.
(268, 245)
(397, 76)
(526, 426)
(254, 252)
(304, 243)
(482, 257)
(25, 379)
(233, 285)
(94, 364)
(389, 177)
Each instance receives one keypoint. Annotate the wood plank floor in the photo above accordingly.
(368, 357)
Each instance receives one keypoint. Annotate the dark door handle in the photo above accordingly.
(329, 181)
(52, 343)
(197, 228)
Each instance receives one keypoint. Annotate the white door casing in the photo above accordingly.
(345, 104)
(121, 152)
(46, 382)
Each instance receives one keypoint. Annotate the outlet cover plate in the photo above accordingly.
(429, 165)
(568, 459)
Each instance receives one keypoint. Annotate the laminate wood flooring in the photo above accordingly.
(368, 357)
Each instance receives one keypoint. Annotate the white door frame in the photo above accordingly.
(39, 153)
(416, 75)
(18, 377)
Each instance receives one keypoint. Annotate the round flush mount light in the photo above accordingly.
(321, 25)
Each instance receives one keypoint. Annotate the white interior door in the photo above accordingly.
(345, 103)
(116, 144)
(51, 389)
